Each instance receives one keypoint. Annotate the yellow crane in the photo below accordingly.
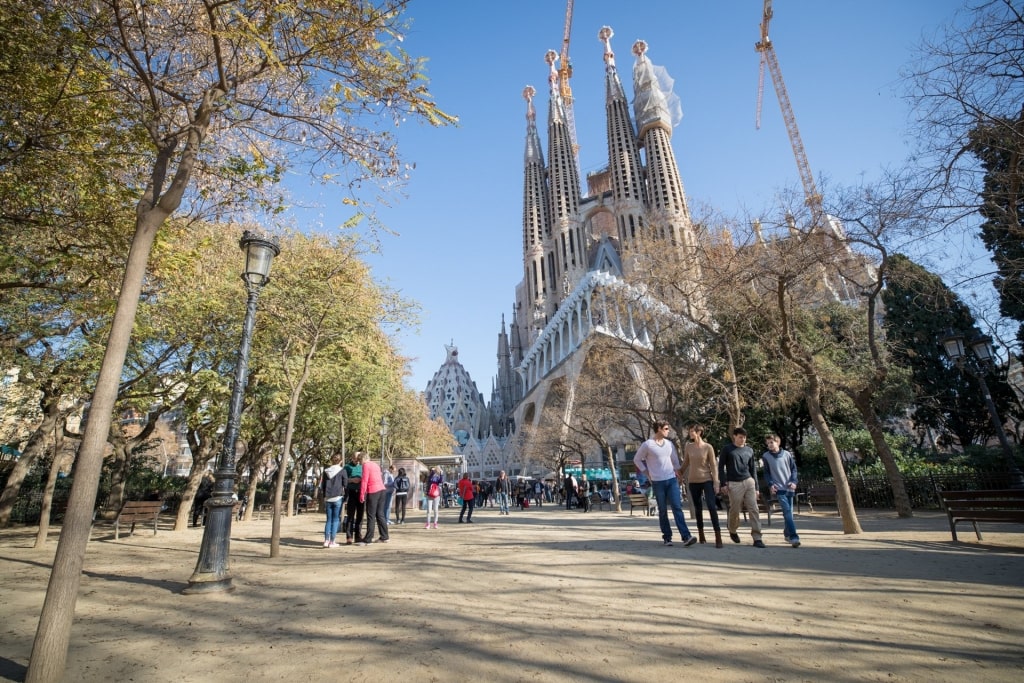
(564, 74)
(767, 50)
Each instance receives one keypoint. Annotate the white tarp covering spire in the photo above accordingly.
(653, 98)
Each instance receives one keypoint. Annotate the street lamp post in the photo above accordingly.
(212, 572)
(981, 347)
(383, 435)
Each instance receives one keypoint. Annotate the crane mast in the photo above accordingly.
(767, 51)
(564, 74)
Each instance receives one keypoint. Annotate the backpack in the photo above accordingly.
(402, 484)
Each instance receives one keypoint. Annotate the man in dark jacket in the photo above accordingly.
(738, 476)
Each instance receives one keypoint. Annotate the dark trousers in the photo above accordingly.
(353, 515)
(467, 505)
(199, 509)
(400, 501)
(376, 513)
(699, 493)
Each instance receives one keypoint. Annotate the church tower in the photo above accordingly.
(624, 165)
(576, 249)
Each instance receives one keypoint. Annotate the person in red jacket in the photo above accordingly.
(468, 500)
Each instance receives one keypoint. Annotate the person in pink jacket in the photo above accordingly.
(373, 494)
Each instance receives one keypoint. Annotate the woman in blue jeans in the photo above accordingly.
(333, 486)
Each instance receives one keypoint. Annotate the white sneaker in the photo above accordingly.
(327, 543)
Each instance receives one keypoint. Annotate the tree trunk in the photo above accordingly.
(844, 500)
(899, 490)
(616, 497)
(275, 528)
(51, 484)
(50, 647)
(250, 494)
(33, 449)
(293, 409)
(118, 472)
(202, 451)
(290, 508)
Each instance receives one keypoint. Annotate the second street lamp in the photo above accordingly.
(212, 572)
(383, 435)
(984, 360)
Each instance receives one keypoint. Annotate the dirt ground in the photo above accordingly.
(541, 595)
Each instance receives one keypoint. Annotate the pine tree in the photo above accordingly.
(998, 146)
(919, 310)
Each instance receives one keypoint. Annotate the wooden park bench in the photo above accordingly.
(982, 506)
(597, 501)
(822, 493)
(137, 511)
(640, 501)
(267, 509)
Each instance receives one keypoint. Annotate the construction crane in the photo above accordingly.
(767, 50)
(564, 74)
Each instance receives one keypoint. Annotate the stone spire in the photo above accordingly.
(654, 122)
(568, 250)
(657, 111)
(503, 394)
(536, 214)
(624, 165)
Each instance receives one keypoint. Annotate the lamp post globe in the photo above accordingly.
(212, 572)
(984, 360)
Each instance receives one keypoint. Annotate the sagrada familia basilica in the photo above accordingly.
(575, 246)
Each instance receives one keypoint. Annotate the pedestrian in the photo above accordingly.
(700, 471)
(538, 493)
(571, 487)
(503, 491)
(332, 486)
(389, 489)
(736, 472)
(435, 483)
(373, 495)
(402, 486)
(658, 460)
(468, 497)
(204, 494)
(353, 522)
(780, 473)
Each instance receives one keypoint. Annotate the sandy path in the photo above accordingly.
(541, 595)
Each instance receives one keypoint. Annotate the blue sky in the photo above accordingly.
(458, 250)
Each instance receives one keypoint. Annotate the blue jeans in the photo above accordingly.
(503, 502)
(333, 520)
(467, 504)
(667, 490)
(786, 503)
